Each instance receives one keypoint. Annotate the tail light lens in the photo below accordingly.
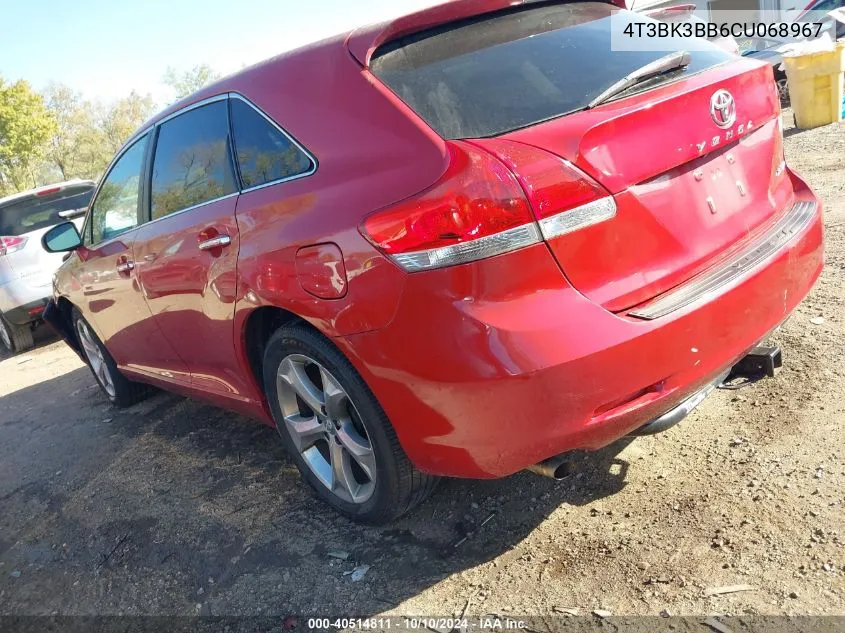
(564, 198)
(476, 210)
(11, 244)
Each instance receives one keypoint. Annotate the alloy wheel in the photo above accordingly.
(95, 358)
(326, 428)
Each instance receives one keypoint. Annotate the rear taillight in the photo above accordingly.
(477, 209)
(563, 197)
(11, 244)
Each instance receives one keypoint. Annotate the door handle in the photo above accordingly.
(215, 242)
(125, 267)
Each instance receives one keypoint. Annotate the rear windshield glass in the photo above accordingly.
(507, 70)
(36, 213)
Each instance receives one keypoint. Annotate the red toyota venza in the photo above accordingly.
(460, 243)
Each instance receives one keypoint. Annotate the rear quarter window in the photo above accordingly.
(265, 153)
(507, 70)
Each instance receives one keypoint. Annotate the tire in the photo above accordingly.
(120, 391)
(349, 416)
(783, 89)
(16, 338)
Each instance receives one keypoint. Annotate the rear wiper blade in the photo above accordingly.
(674, 61)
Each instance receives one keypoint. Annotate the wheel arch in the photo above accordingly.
(63, 323)
(259, 326)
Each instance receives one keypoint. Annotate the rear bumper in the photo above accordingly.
(27, 313)
(486, 387)
(680, 412)
(17, 298)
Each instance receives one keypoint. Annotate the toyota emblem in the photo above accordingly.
(723, 109)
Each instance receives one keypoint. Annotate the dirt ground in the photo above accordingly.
(175, 507)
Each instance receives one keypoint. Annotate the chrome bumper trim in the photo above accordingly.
(707, 284)
(679, 413)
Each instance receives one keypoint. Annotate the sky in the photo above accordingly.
(104, 49)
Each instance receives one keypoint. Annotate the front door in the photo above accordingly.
(108, 292)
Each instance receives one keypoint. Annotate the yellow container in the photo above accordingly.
(817, 86)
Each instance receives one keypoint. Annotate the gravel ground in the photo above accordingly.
(174, 507)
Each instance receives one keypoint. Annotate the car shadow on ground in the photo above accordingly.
(175, 506)
(793, 131)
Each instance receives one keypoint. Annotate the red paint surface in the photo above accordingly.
(321, 272)
(486, 367)
(501, 363)
(647, 151)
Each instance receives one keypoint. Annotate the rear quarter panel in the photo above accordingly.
(371, 150)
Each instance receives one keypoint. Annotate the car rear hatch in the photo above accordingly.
(680, 169)
(25, 218)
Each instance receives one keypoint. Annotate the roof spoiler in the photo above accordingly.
(363, 42)
(45, 190)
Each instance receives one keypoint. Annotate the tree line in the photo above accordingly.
(58, 135)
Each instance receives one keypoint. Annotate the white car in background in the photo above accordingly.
(26, 269)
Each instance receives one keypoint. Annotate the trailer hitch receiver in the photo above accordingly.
(760, 361)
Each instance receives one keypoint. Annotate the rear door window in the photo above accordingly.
(192, 163)
(41, 212)
(115, 209)
(507, 70)
(265, 153)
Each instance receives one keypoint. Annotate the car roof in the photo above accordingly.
(224, 85)
(44, 190)
(364, 41)
(361, 43)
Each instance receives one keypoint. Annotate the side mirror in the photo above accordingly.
(62, 238)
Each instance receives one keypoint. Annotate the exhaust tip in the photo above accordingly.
(557, 468)
(562, 472)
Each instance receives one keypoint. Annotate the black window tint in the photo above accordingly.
(40, 212)
(502, 71)
(192, 163)
(264, 153)
(115, 208)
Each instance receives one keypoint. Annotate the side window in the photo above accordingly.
(115, 210)
(192, 163)
(265, 154)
